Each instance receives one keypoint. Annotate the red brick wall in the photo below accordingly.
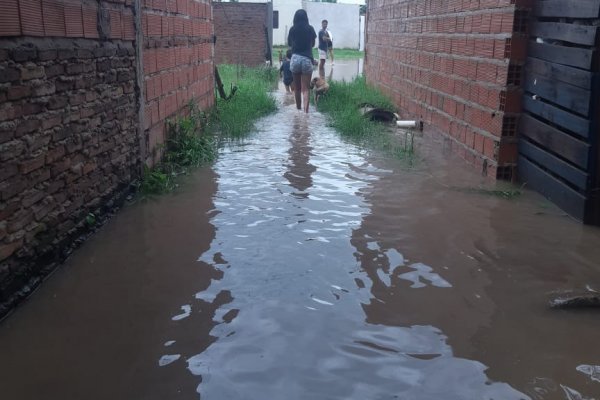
(240, 31)
(178, 64)
(68, 138)
(82, 103)
(65, 18)
(454, 64)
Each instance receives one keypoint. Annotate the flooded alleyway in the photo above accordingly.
(301, 266)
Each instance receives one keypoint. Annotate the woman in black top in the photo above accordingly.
(301, 39)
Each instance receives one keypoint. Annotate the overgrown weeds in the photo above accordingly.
(252, 100)
(343, 105)
(194, 139)
(190, 143)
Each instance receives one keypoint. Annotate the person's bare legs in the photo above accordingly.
(305, 90)
(331, 54)
(322, 68)
(297, 85)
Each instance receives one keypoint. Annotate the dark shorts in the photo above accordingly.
(288, 82)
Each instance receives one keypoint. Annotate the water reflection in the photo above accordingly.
(344, 69)
(303, 266)
(300, 170)
(301, 325)
(102, 327)
(496, 308)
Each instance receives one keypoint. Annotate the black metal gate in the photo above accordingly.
(558, 145)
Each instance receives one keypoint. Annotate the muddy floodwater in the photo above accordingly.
(302, 266)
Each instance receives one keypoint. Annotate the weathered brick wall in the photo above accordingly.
(455, 65)
(240, 31)
(68, 138)
(84, 96)
(178, 64)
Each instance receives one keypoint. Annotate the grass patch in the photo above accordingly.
(343, 102)
(342, 105)
(252, 100)
(341, 54)
(191, 142)
(194, 139)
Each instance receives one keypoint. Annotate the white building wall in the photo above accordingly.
(361, 34)
(344, 21)
(286, 9)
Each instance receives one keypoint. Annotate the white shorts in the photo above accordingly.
(322, 55)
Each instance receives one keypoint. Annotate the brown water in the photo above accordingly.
(301, 266)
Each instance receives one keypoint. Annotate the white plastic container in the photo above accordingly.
(407, 124)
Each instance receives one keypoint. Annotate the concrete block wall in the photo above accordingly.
(177, 64)
(455, 65)
(84, 96)
(240, 32)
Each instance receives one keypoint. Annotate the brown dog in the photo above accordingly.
(320, 87)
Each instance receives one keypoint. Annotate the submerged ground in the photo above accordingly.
(301, 266)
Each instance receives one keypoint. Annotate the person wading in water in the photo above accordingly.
(302, 40)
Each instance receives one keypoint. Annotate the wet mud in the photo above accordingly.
(301, 266)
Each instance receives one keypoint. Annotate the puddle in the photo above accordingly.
(300, 266)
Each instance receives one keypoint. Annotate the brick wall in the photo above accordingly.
(82, 102)
(455, 65)
(240, 32)
(178, 64)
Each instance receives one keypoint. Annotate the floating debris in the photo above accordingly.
(407, 124)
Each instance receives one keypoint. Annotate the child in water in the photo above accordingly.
(287, 72)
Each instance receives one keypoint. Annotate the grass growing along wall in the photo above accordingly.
(343, 105)
(193, 140)
(343, 101)
(252, 99)
(190, 143)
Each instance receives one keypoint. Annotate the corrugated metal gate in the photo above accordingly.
(558, 146)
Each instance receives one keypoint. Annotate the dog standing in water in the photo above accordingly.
(320, 87)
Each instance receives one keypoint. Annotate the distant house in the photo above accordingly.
(345, 23)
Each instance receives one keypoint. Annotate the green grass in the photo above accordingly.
(193, 140)
(340, 54)
(342, 105)
(343, 102)
(252, 100)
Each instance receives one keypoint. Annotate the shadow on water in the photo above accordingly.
(299, 167)
(301, 266)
